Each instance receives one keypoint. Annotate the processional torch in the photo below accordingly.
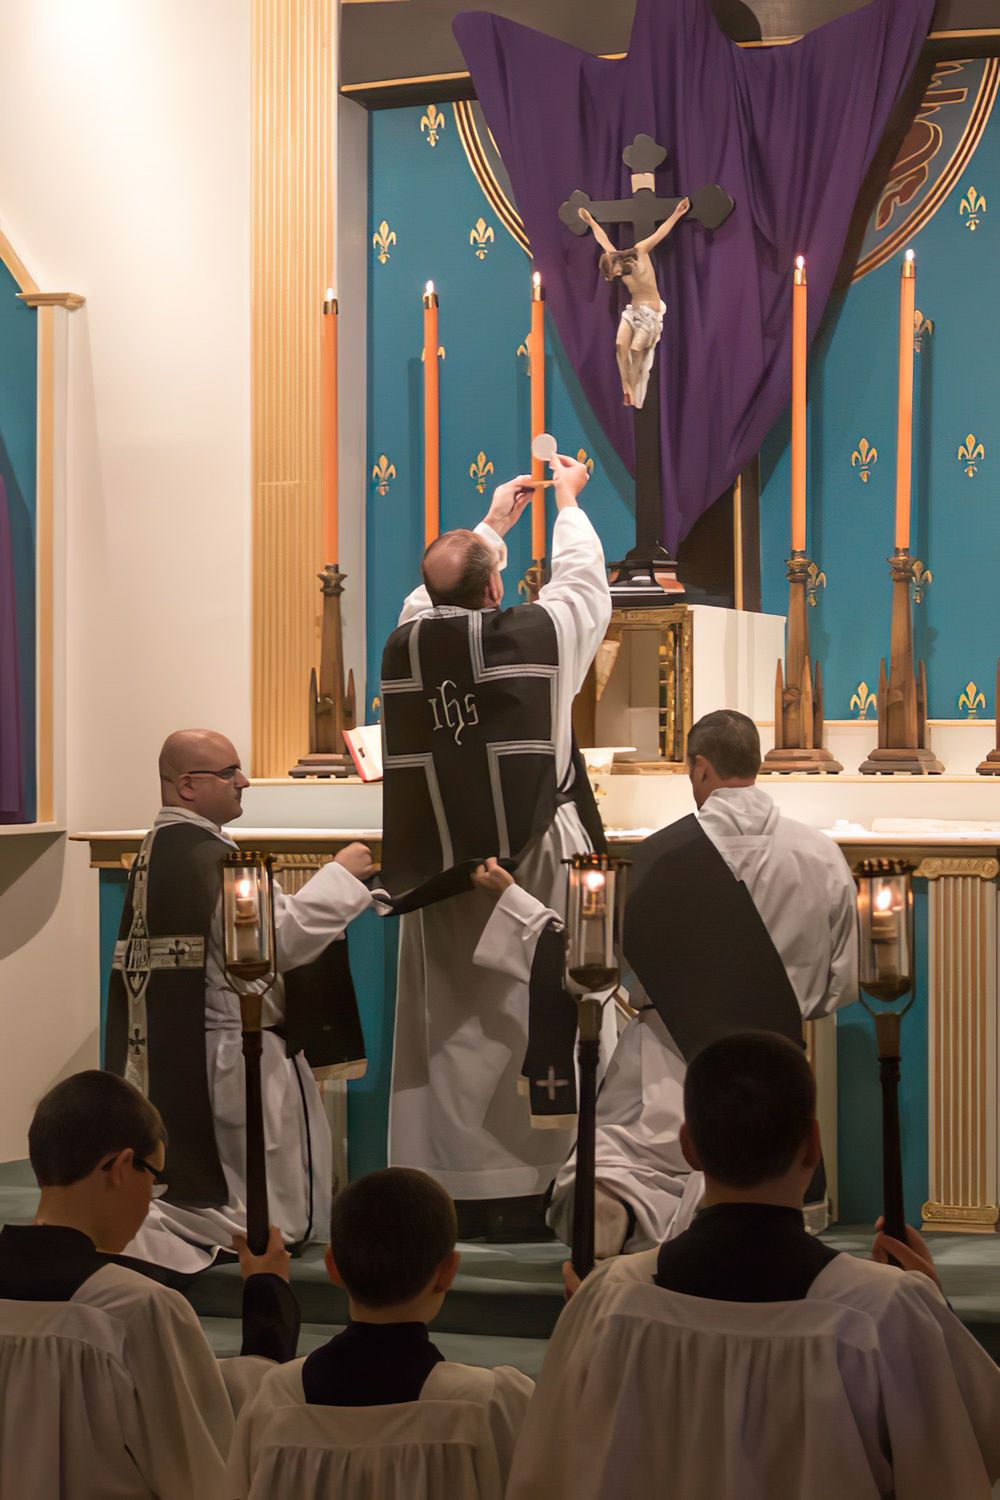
(251, 967)
(885, 920)
(594, 908)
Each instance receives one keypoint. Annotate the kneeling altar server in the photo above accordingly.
(174, 1027)
(736, 917)
(479, 760)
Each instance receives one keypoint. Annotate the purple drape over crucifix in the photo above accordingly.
(789, 131)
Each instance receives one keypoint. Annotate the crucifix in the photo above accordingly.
(651, 218)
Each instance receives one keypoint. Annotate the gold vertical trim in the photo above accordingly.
(294, 100)
(45, 544)
(738, 542)
(962, 1030)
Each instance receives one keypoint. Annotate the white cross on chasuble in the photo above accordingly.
(468, 714)
(136, 956)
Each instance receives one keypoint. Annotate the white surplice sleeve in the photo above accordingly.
(577, 594)
(185, 1414)
(941, 1396)
(308, 921)
(281, 1386)
(842, 984)
(419, 601)
(510, 937)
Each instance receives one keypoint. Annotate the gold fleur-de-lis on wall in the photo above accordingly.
(582, 458)
(481, 237)
(382, 241)
(922, 328)
(524, 353)
(971, 700)
(863, 700)
(971, 453)
(971, 208)
(815, 580)
(383, 472)
(431, 124)
(480, 469)
(863, 458)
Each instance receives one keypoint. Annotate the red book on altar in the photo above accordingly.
(365, 745)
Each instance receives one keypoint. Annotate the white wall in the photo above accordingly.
(125, 175)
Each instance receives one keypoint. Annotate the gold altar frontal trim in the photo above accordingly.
(962, 1043)
(958, 1219)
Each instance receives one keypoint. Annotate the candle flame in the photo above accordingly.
(910, 255)
(594, 880)
(329, 294)
(429, 289)
(537, 278)
(800, 261)
(884, 898)
(243, 888)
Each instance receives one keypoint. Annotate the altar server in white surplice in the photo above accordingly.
(174, 1026)
(108, 1386)
(392, 1249)
(747, 1358)
(479, 761)
(736, 917)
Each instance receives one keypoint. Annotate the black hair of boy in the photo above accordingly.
(83, 1120)
(389, 1232)
(749, 1100)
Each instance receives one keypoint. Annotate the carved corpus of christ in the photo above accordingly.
(642, 319)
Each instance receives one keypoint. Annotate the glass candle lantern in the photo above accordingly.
(248, 919)
(592, 920)
(885, 923)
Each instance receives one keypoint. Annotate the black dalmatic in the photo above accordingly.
(468, 734)
(155, 1034)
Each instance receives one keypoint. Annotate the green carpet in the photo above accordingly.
(506, 1298)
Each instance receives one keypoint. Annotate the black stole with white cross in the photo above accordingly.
(468, 726)
(181, 890)
(548, 1074)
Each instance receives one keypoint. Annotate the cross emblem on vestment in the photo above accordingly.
(550, 1083)
(136, 1042)
(644, 211)
(471, 783)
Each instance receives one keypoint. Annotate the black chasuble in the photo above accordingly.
(698, 945)
(468, 724)
(155, 1035)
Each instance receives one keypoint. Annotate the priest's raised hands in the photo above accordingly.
(510, 501)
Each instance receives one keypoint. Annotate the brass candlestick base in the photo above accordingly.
(536, 576)
(331, 709)
(991, 765)
(902, 697)
(799, 725)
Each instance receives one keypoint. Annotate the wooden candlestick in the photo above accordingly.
(991, 765)
(799, 726)
(331, 708)
(902, 698)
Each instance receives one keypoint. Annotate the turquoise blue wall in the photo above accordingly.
(18, 458)
(956, 516)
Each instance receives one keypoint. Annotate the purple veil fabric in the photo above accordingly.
(11, 796)
(788, 131)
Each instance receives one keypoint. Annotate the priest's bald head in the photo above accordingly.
(723, 749)
(461, 570)
(200, 771)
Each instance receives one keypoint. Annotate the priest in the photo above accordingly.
(174, 1030)
(480, 760)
